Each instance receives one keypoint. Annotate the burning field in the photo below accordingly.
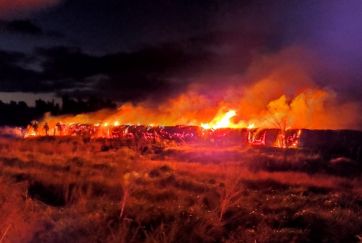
(273, 162)
(180, 121)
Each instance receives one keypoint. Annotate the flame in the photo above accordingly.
(310, 109)
(285, 140)
(220, 121)
(30, 133)
(277, 91)
(251, 126)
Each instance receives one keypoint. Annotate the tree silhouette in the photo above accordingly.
(20, 114)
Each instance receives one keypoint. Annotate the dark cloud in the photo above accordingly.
(15, 8)
(150, 71)
(21, 27)
(26, 27)
(14, 77)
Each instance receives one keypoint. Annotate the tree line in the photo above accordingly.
(20, 113)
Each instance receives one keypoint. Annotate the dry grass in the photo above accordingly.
(71, 190)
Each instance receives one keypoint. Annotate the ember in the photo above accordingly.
(194, 117)
(177, 134)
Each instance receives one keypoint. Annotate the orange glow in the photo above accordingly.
(30, 133)
(220, 121)
(309, 109)
(276, 92)
(251, 126)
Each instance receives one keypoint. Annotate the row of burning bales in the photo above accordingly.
(177, 134)
(346, 140)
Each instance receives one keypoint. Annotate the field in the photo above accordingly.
(79, 190)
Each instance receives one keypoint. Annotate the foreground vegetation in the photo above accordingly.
(75, 190)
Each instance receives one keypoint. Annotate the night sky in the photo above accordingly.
(136, 50)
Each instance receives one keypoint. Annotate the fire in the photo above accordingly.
(276, 92)
(310, 109)
(287, 139)
(251, 126)
(220, 121)
(30, 133)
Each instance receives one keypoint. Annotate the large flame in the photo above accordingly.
(276, 92)
(220, 121)
(311, 109)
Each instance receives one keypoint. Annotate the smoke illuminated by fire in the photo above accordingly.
(276, 92)
(312, 109)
